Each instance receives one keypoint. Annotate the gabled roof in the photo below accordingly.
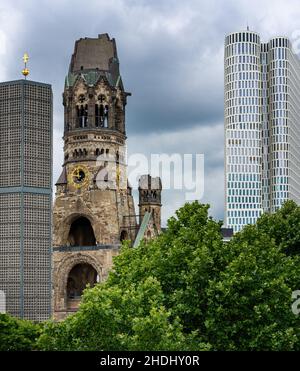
(92, 77)
(63, 179)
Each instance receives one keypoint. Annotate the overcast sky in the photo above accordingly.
(171, 57)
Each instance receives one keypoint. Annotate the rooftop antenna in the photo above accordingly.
(248, 26)
(25, 70)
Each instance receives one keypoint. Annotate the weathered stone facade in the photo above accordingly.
(150, 199)
(94, 208)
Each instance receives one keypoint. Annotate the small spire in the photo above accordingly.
(25, 70)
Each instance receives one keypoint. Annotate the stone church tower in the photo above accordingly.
(94, 208)
(150, 199)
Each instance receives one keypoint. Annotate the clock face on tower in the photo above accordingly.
(79, 176)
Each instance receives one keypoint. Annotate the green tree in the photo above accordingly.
(183, 260)
(284, 227)
(249, 304)
(188, 290)
(237, 295)
(16, 335)
(111, 318)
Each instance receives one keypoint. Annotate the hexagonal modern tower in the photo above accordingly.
(26, 199)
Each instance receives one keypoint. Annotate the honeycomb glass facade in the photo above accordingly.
(26, 198)
(262, 127)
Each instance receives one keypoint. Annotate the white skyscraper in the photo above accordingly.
(262, 127)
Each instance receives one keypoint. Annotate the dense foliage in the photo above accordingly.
(17, 334)
(284, 227)
(188, 290)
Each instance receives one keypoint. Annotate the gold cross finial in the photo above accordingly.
(25, 71)
(25, 58)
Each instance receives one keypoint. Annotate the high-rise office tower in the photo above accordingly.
(26, 198)
(262, 126)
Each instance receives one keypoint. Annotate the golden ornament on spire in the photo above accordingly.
(25, 71)
(25, 58)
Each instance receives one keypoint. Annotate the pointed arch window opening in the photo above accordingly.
(82, 116)
(101, 112)
(101, 115)
(81, 233)
(79, 278)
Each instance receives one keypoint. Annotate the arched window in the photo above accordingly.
(101, 113)
(79, 278)
(106, 109)
(82, 116)
(81, 233)
(97, 116)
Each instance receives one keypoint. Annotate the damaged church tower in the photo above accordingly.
(94, 208)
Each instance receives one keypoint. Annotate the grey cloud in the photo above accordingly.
(171, 55)
(207, 140)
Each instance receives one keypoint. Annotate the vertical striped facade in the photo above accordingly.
(26, 198)
(262, 127)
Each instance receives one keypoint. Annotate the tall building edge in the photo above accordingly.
(262, 126)
(26, 125)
